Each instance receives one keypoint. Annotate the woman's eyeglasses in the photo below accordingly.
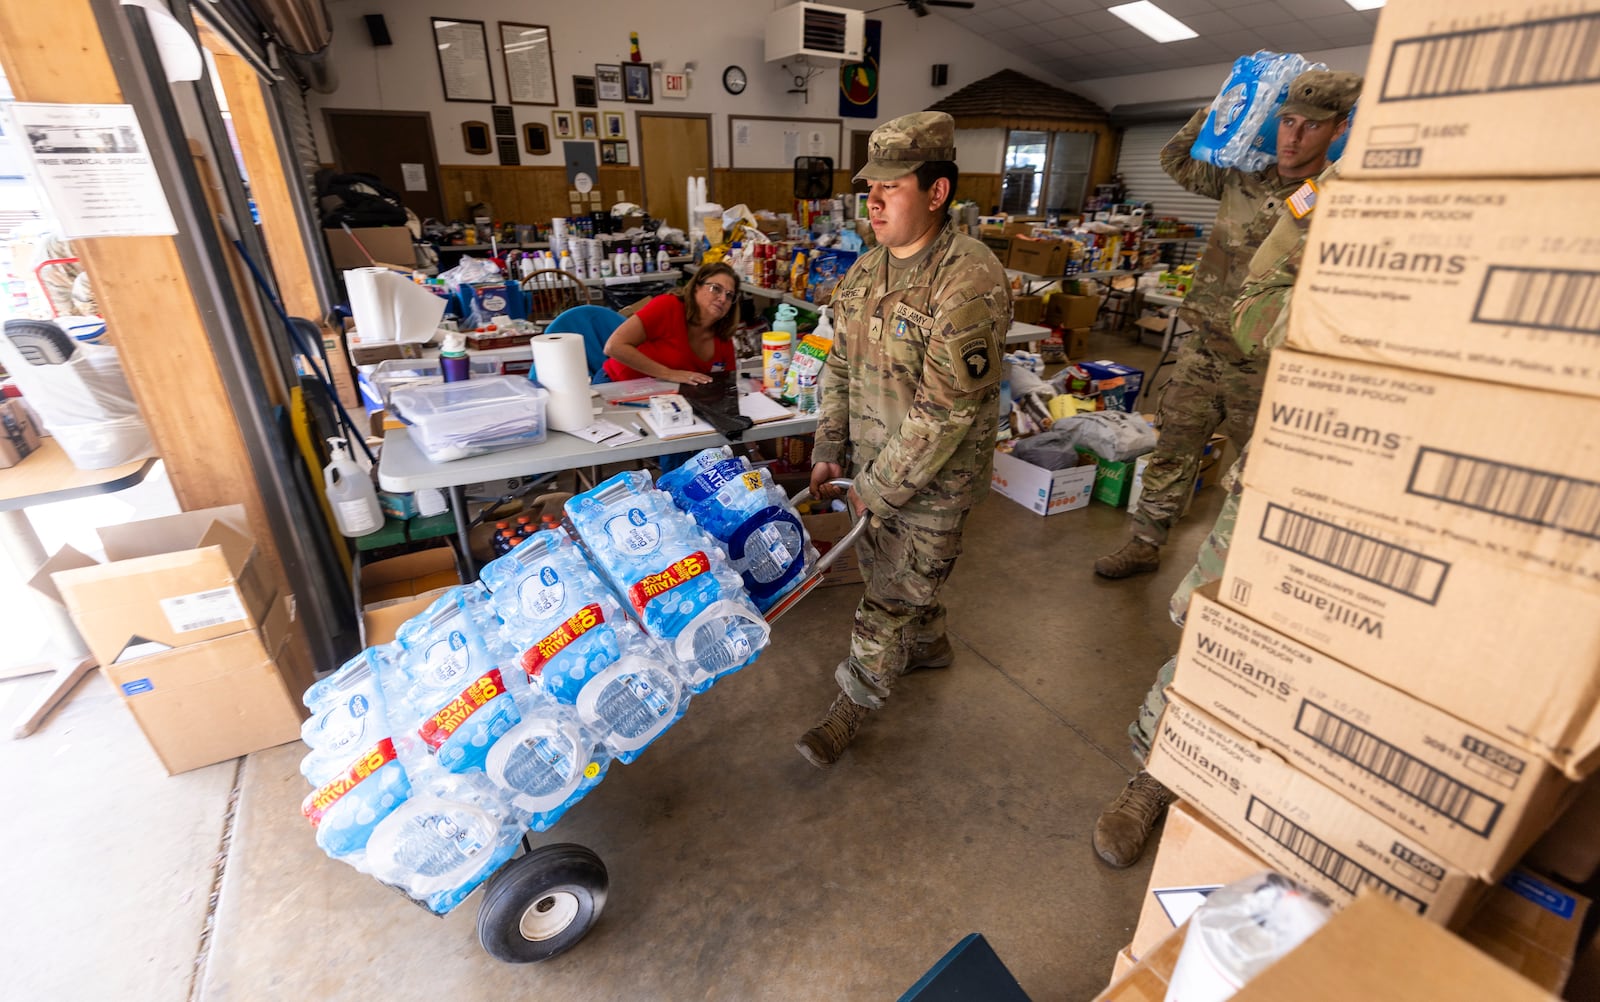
(718, 292)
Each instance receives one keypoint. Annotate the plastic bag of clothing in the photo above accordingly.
(1112, 435)
(79, 392)
(1241, 129)
(1056, 449)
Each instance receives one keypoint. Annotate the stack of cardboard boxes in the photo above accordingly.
(1396, 685)
(185, 623)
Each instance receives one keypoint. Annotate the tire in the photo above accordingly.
(542, 903)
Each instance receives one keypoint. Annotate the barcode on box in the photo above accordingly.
(1452, 798)
(1537, 497)
(1551, 299)
(1322, 857)
(1554, 52)
(1396, 568)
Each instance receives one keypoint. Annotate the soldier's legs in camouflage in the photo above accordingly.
(1213, 555)
(1191, 409)
(1142, 732)
(904, 565)
(1241, 398)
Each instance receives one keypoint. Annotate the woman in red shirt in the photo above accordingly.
(682, 336)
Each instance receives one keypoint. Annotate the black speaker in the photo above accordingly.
(378, 30)
(941, 74)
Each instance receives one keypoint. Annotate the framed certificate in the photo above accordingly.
(462, 48)
(608, 81)
(529, 62)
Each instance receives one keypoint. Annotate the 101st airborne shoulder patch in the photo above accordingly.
(975, 366)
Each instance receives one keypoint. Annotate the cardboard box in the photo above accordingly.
(1042, 491)
(826, 529)
(1121, 965)
(1532, 926)
(1423, 529)
(1446, 276)
(1105, 371)
(1037, 257)
(216, 700)
(1027, 309)
(386, 244)
(1147, 980)
(1374, 950)
(1570, 849)
(1475, 88)
(1459, 790)
(1112, 479)
(1067, 311)
(395, 589)
(18, 434)
(167, 581)
(1298, 826)
(1194, 858)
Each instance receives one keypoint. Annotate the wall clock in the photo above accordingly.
(734, 80)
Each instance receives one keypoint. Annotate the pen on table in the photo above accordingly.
(638, 428)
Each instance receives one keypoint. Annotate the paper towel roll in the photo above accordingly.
(560, 366)
(373, 315)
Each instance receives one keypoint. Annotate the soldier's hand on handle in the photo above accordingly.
(821, 474)
(856, 504)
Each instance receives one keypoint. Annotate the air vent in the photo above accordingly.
(815, 30)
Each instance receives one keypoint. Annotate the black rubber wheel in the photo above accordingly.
(541, 903)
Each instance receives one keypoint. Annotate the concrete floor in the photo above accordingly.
(738, 871)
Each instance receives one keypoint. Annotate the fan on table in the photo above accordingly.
(920, 7)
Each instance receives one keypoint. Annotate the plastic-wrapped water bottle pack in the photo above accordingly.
(676, 580)
(502, 704)
(1242, 128)
(750, 516)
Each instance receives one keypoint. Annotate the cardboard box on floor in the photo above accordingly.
(170, 581)
(218, 699)
(826, 529)
(1193, 858)
(1295, 824)
(1477, 88)
(1042, 491)
(1530, 925)
(1424, 530)
(1122, 965)
(1446, 276)
(1371, 950)
(397, 588)
(1458, 789)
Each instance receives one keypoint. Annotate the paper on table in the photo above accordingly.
(605, 433)
(761, 408)
(695, 427)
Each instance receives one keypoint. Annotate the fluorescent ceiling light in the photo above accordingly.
(1366, 4)
(1153, 21)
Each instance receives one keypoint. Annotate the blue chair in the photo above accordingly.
(596, 324)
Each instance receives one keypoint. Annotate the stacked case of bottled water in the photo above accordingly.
(502, 704)
(1241, 129)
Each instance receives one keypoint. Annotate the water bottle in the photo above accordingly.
(453, 361)
(350, 493)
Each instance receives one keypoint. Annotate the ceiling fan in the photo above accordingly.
(920, 7)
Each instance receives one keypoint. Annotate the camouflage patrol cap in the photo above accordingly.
(899, 147)
(1322, 94)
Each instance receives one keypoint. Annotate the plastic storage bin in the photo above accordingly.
(456, 420)
(395, 373)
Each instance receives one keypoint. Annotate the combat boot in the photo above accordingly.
(1135, 557)
(824, 743)
(1125, 826)
(934, 654)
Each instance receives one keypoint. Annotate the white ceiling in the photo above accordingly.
(1078, 40)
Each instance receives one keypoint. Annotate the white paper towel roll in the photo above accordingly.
(373, 315)
(560, 366)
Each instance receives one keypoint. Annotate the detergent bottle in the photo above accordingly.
(350, 493)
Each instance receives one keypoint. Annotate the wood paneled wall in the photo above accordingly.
(536, 194)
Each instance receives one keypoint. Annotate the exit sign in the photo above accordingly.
(675, 85)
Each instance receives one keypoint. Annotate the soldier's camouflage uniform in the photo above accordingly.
(910, 405)
(1260, 318)
(1213, 384)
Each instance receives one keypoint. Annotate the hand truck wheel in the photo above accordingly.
(542, 903)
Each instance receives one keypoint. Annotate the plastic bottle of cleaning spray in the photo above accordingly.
(635, 262)
(350, 493)
(663, 259)
(619, 262)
